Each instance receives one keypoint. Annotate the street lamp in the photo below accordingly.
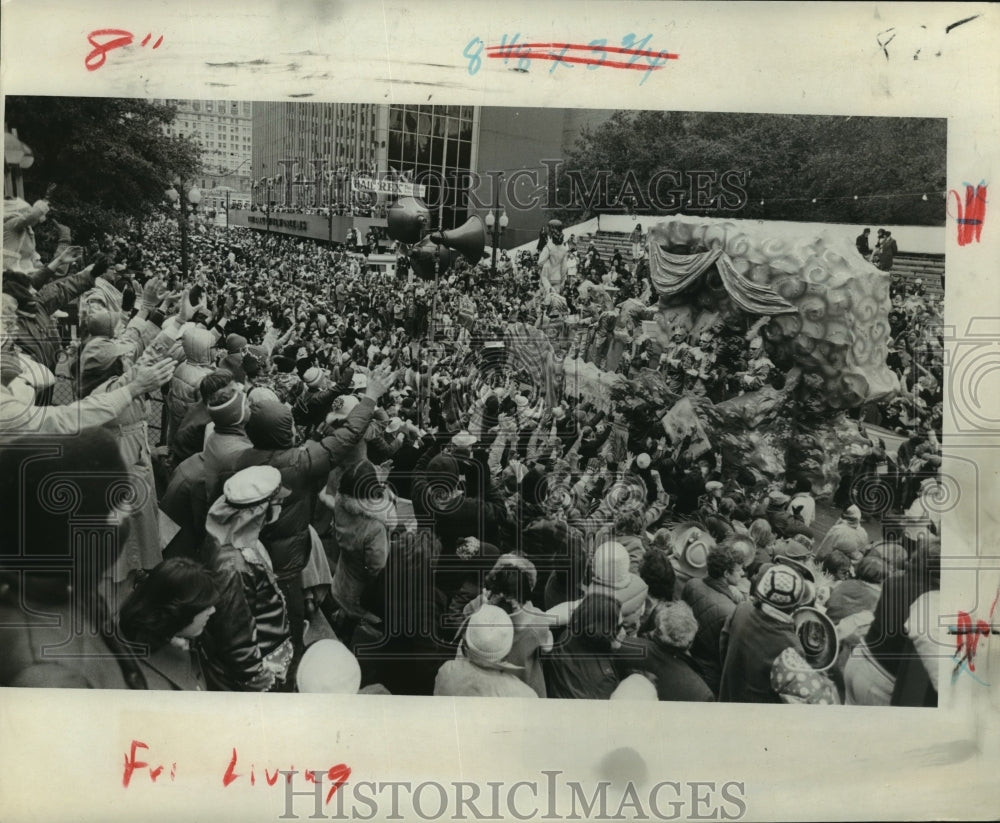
(496, 224)
(181, 195)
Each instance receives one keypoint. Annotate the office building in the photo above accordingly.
(223, 130)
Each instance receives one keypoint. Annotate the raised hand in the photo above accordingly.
(148, 378)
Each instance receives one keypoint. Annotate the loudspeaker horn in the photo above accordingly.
(427, 258)
(469, 239)
(408, 218)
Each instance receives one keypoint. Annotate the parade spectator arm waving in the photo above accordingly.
(91, 412)
(343, 439)
(64, 291)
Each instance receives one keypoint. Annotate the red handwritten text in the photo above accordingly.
(971, 213)
(131, 764)
(967, 638)
(540, 51)
(336, 775)
(105, 40)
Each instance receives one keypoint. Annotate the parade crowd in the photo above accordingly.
(352, 490)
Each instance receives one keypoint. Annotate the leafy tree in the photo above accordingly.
(107, 158)
(887, 164)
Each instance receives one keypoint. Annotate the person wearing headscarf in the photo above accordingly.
(247, 642)
(197, 365)
(189, 439)
(362, 511)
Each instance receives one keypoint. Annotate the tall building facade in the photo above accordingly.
(432, 145)
(455, 152)
(223, 129)
(289, 137)
(438, 147)
(524, 144)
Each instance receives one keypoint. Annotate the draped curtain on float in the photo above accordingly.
(673, 273)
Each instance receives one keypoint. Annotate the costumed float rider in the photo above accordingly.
(553, 262)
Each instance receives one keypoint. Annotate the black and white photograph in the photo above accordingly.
(339, 411)
(408, 399)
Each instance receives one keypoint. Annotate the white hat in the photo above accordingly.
(313, 376)
(611, 565)
(254, 485)
(463, 440)
(521, 401)
(359, 382)
(328, 667)
(634, 687)
(394, 425)
(489, 637)
(342, 406)
(643, 461)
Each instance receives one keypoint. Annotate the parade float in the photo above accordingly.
(794, 324)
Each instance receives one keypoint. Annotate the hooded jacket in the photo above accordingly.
(364, 549)
(197, 345)
(303, 468)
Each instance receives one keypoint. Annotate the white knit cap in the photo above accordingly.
(611, 565)
(635, 687)
(329, 667)
(489, 636)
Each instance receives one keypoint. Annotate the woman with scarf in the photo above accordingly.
(247, 643)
